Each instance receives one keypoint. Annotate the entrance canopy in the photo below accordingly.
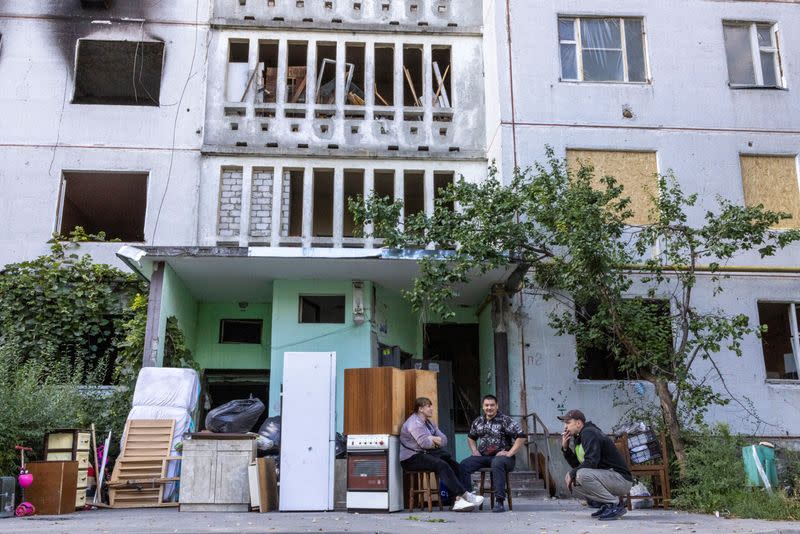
(224, 273)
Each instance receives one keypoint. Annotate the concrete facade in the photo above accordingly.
(234, 164)
(697, 125)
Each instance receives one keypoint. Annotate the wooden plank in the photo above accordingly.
(444, 101)
(411, 85)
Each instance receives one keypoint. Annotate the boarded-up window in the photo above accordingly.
(636, 171)
(772, 181)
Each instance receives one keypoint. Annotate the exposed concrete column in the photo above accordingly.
(500, 348)
(247, 193)
(338, 206)
(280, 82)
(369, 189)
(399, 77)
(280, 178)
(311, 77)
(429, 193)
(308, 205)
(427, 82)
(150, 355)
(369, 80)
(399, 191)
(341, 76)
(252, 65)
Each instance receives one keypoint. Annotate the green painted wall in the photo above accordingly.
(462, 449)
(178, 301)
(486, 343)
(211, 354)
(351, 342)
(395, 323)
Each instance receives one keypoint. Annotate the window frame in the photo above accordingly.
(755, 54)
(576, 42)
(794, 333)
(252, 320)
(302, 296)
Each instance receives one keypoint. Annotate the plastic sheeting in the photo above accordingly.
(167, 386)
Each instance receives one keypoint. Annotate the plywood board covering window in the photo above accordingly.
(636, 171)
(772, 181)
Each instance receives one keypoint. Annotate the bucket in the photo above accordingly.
(759, 466)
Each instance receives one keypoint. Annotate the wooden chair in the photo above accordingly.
(424, 484)
(483, 490)
(140, 471)
(657, 469)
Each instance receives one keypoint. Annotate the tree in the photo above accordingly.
(569, 236)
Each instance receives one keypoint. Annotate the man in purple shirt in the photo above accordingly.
(421, 450)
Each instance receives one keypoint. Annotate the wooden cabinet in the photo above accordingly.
(54, 487)
(374, 400)
(214, 473)
(421, 383)
(71, 444)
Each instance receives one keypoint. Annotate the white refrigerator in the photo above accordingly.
(308, 431)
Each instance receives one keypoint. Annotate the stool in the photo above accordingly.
(482, 489)
(425, 484)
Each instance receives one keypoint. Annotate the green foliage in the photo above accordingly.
(36, 397)
(63, 306)
(716, 481)
(572, 237)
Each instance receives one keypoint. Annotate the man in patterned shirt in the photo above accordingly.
(494, 440)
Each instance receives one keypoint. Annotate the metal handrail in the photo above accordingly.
(547, 453)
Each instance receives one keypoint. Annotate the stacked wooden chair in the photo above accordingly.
(140, 473)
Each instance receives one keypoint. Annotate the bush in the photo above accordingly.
(34, 401)
(715, 481)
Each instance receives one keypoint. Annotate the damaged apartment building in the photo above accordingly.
(220, 142)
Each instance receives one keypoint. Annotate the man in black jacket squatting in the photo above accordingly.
(599, 472)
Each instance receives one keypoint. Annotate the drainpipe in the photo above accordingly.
(511, 83)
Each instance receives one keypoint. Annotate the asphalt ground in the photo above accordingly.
(529, 516)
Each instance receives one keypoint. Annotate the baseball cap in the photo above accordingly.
(572, 414)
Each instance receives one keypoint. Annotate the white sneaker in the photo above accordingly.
(477, 500)
(463, 505)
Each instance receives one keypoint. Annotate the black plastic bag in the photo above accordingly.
(269, 435)
(235, 416)
(341, 446)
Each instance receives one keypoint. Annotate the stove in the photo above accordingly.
(374, 476)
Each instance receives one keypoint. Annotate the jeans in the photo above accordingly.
(443, 464)
(500, 466)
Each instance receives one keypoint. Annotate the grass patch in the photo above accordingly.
(716, 482)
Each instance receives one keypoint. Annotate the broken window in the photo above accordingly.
(295, 203)
(240, 330)
(440, 182)
(353, 186)
(238, 74)
(440, 65)
(413, 193)
(114, 203)
(297, 60)
(322, 308)
(326, 73)
(354, 74)
(597, 352)
(384, 75)
(636, 171)
(118, 72)
(781, 341)
(602, 49)
(412, 70)
(268, 58)
(772, 182)
(384, 184)
(752, 53)
(323, 203)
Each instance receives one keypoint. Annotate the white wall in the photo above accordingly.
(697, 125)
(42, 133)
